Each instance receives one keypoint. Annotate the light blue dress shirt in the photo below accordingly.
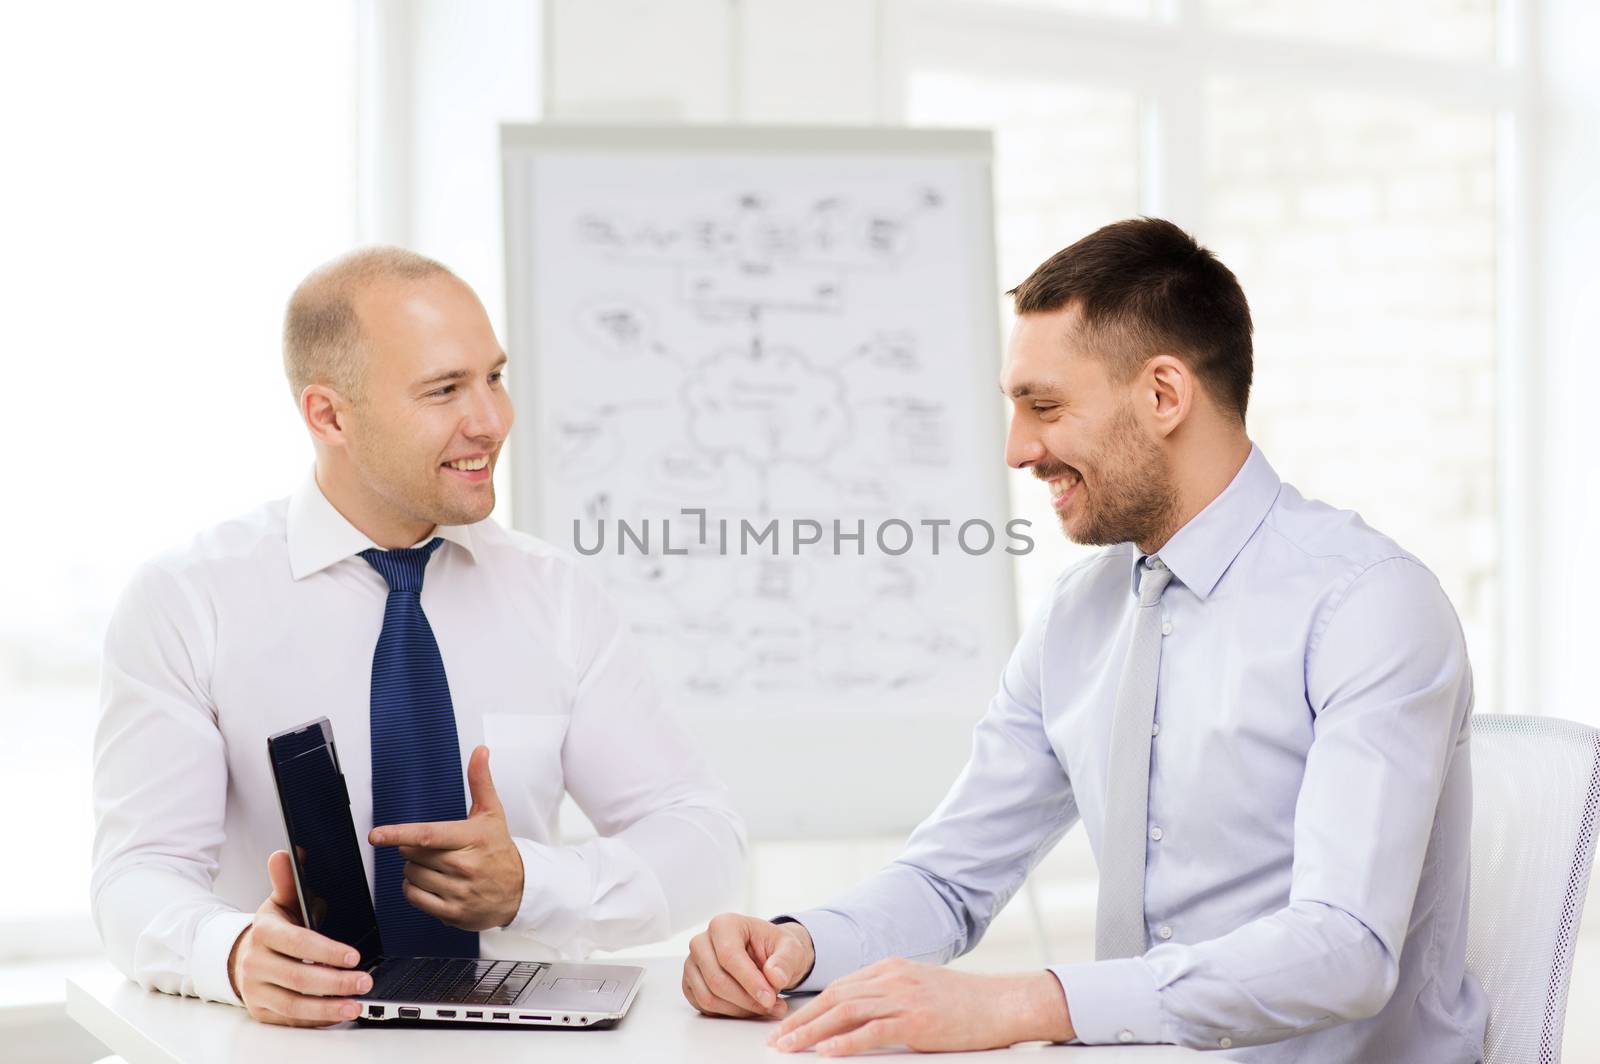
(1310, 796)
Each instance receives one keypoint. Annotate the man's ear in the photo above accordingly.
(1170, 392)
(325, 412)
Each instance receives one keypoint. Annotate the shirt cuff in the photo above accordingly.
(834, 942)
(555, 892)
(208, 959)
(1113, 1001)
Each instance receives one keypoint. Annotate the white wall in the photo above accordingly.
(1566, 272)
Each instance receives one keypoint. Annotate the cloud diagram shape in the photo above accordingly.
(767, 405)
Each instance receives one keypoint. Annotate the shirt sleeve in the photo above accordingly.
(1010, 805)
(1390, 690)
(671, 851)
(160, 788)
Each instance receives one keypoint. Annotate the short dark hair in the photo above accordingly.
(1145, 286)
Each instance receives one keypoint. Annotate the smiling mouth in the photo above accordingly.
(473, 470)
(1064, 489)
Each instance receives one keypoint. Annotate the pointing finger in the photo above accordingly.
(434, 835)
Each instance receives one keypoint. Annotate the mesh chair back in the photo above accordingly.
(1535, 808)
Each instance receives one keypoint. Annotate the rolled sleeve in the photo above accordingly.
(1113, 1001)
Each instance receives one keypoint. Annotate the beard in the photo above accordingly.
(1126, 492)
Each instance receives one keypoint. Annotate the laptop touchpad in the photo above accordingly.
(578, 986)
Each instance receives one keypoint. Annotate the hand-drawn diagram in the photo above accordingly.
(767, 354)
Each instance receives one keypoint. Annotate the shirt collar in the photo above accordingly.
(1201, 551)
(319, 535)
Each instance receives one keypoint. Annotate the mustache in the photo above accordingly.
(1052, 470)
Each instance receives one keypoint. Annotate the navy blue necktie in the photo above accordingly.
(416, 757)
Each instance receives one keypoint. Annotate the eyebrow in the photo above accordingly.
(1023, 391)
(456, 374)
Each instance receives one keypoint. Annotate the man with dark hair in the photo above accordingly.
(1257, 705)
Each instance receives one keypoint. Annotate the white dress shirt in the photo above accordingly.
(270, 620)
(1309, 808)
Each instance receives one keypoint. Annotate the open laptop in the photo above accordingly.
(335, 901)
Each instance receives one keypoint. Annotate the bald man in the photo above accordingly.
(294, 611)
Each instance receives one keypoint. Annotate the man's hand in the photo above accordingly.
(268, 970)
(738, 964)
(929, 1009)
(467, 873)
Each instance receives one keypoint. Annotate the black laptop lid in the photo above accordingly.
(334, 899)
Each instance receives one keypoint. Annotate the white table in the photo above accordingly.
(145, 1027)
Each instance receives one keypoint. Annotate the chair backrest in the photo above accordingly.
(1535, 809)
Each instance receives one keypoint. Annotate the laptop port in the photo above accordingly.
(375, 1011)
(502, 1015)
(410, 1014)
(546, 1019)
(445, 1014)
(474, 1015)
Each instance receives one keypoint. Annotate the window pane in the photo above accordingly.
(1457, 29)
(1066, 163)
(1363, 231)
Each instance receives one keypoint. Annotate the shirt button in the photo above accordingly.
(1125, 1036)
(1166, 628)
(1155, 729)
(1225, 1042)
(1155, 834)
(1165, 931)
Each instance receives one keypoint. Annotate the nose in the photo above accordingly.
(490, 415)
(1023, 446)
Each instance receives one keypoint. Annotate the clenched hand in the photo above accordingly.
(738, 965)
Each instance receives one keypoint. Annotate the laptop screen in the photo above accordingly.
(322, 838)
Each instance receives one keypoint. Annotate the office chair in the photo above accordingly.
(1536, 806)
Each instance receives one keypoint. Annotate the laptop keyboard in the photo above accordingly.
(452, 980)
